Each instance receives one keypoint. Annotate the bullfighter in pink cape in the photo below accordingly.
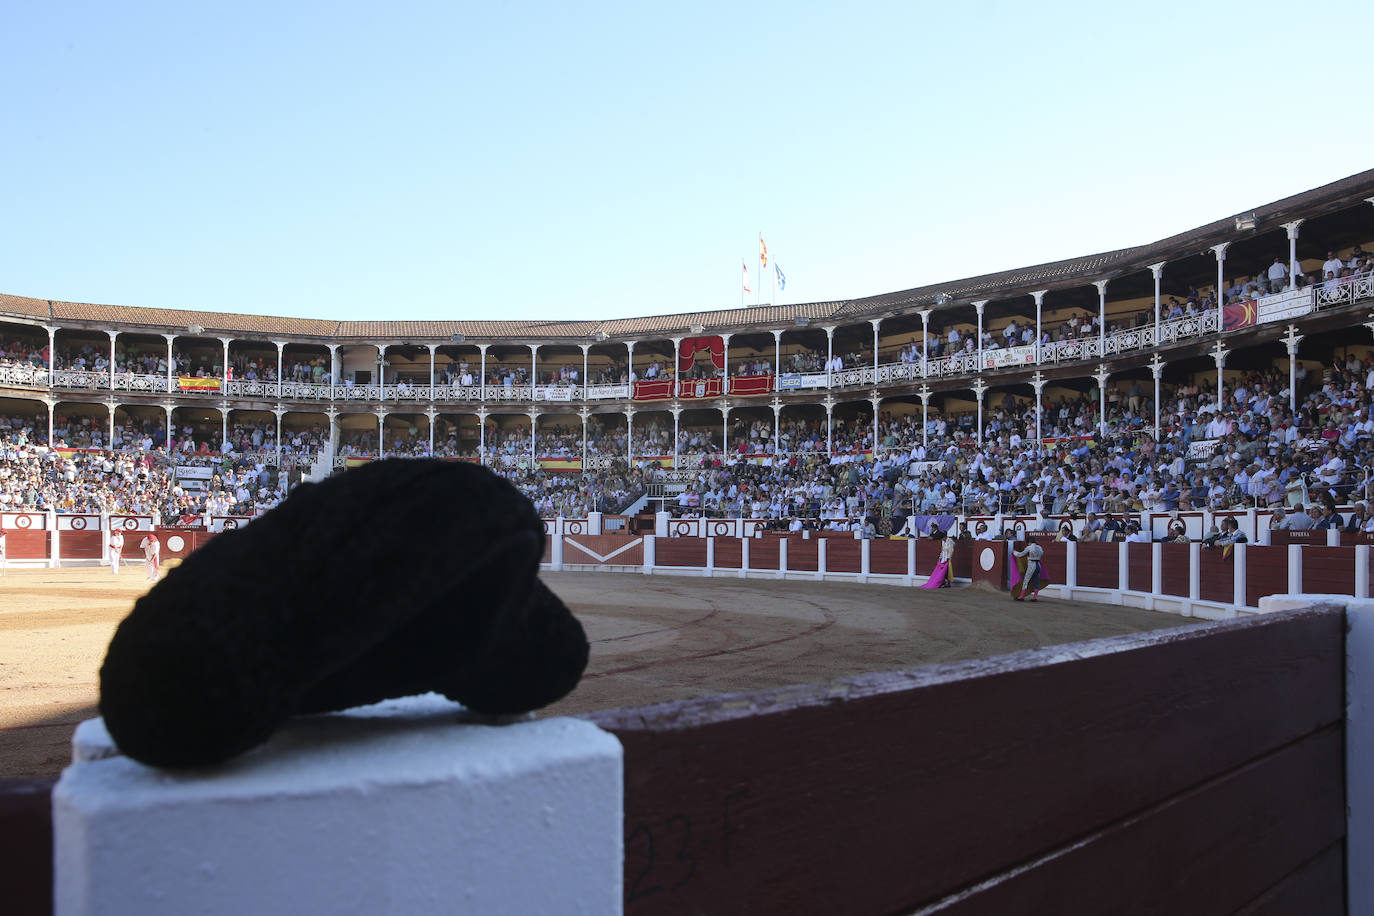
(1026, 574)
(940, 576)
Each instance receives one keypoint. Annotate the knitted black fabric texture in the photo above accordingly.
(396, 578)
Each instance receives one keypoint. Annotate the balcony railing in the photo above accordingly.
(1286, 305)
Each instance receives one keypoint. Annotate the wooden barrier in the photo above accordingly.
(1204, 784)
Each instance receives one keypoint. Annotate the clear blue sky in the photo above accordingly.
(578, 160)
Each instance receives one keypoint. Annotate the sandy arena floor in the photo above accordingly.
(654, 638)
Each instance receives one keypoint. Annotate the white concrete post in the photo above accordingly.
(777, 356)
(594, 520)
(782, 558)
(1361, 570)
(1220, 252)
(556, 551)
(911, 561)
(1333, 537)
(979, 306)
(1157, 568)
(710, 556)
(876, 322)
(864, 559)
(649, 553)
(1295, 569)
(1292, 253)
(1157, 271)
(1070, 564)
(1291, 339)
(1238, 557)
(925, 341)
(1039, 297)
(820, 557)
(743, 557)
(1101, 317)
(1101, 376)
(1123, 569)
(402, 809)
(1194, 572)
(55, 554)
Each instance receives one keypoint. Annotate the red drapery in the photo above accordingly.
(691, 346)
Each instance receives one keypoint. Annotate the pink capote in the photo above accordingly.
(937, 575)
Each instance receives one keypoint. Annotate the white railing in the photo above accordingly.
(80, 378)
(452, 393)
(250, 388)
(508, 393)
(1346, 291)
(19, 374)
(128, 381)
(357, 392)
(847, 377)
(1130, 339)
(305, 391)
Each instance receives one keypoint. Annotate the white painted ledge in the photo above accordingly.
(393, 808)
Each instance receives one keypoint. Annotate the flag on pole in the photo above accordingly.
(746, 276)
(782, 280)
(763, 252)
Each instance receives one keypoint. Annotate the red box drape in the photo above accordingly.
(691, 346)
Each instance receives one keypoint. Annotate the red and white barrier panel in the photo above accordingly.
(1185, 579)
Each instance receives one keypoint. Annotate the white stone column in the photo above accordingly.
(630, 434)
(171, 363)
(334, 366)
(925, 393)
(52, 349)
(1039, 297)
(677, 414)
(586, 369)
(829, 351)
(979, 389)
(874, 400)
(1101, 317)
(167, 408)
(725, 426)
(925, 341)
(110, 405)
(224, 375)
(876, 322)
(1157, 271)
(829, 404)
(1157, 370)
(534, 421)
(1101, 375)
(979, 306)
(1220, 252)
(1038, 383)
(432, 349)
(482, 426)
(777, 356)
(777, 428)
(584, 413)
(1219, 352)
(281, 352)
(534, 369)
(482, 380)
(1292, 229)
(278, 412)
(381, 432)
(725, 362)
(223, 423)
(51, 403)
(1291, 339)
(113, 335)
(332, 413)
(630, 365)
(677, 380)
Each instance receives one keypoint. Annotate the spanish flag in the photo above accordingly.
(191, 383)
(763, 251)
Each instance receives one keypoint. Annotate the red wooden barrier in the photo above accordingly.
(801, 554)
(1330, 570)
(887, 557)
(1266, 572)
(1218, 576)
(680, 552)
(763, 553)
(82, 545)
(1140, 567)
(26, 544)
(729, 553)
(1097, 565)
(842, 555)
(1199, 783)
(989, 563)
(1174, 572)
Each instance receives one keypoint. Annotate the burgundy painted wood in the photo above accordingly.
(1212, 848)
(1097, 565)
(680, 552)
(1174, 572)
(842, 555)
(22, 544)
(1315, 889)
(927, 555)
(83, 545)
(1329, 570)
(26, 836)
(887, 557)
(1218, 578)
(547, 556)
(801, 554)
(1055, 560)
(1266, 572)
(1310, 537)
(962, 564)
(886, 792)
(995, 553)
(729, 553)
(1140, 567)
(763, 553)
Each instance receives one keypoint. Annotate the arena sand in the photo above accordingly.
(654, 638)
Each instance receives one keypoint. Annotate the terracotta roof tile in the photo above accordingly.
(1002, 284)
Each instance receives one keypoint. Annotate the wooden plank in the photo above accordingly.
(763, 553)
(729, 553)
(1316, 888)
(1097, 565)
(1140, 567)
(680, 552)
(801, 554)
(1266, 572)
(825, 799)
(1330, 570)
(1218, 579)
(842, 555)
(26, 831)
(1175, 570)
(1210, 849)
(887, 557)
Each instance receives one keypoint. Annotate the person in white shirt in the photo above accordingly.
(152, 551)
(1278, 275)
(116, 550)
(1332, 265)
